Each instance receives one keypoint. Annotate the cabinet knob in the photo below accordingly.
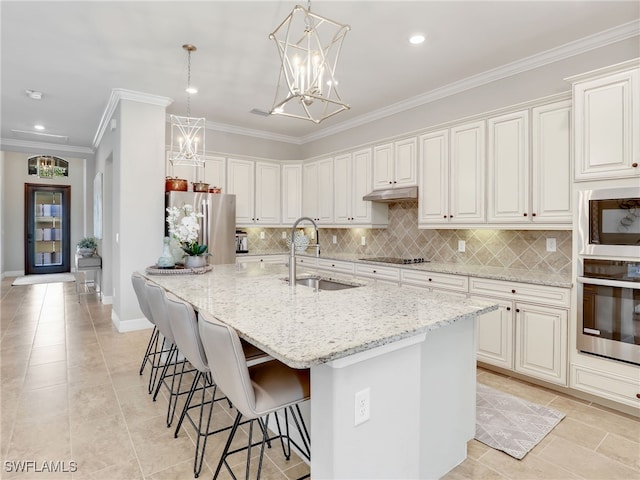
(524, 214)
(261, 260)
(375, 271)
(533, 214)
(395, 181)
(637, 395)
(450, 216)
(517, 310)
(430, 279)
(390, 182)
(333, 265)
(444, 216)
(634, 164)
(513, 291)
(508, 309)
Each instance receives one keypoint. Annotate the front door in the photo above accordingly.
(47, 228)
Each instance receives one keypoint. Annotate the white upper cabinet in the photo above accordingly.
(256, 186)
(352, 181)
(551, 168)
(452, 174)
(508, 168)
(607, 124)
(291, 193)
(317, 196)
(433, 189)
(467, 190)
(394, 164)
(240, 182)
(215, 172)
(267, 196)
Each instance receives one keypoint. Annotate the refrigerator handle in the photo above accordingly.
(205, 222)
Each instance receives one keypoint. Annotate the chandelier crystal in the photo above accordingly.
(187, 133)
(309, 46)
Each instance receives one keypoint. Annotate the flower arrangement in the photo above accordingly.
(87, 246)
(184, 227)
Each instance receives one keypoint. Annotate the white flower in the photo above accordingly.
(183, 223)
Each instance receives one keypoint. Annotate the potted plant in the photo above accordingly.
(184, 226)
(87, 246)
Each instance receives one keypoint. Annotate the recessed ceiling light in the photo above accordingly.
(416, 39)
(39, 127)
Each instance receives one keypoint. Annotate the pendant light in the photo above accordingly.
(187, 133)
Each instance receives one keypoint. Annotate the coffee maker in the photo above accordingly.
(242, 244)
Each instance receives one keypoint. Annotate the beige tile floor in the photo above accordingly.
(71, 392)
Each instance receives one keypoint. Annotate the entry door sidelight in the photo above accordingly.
(47, 229)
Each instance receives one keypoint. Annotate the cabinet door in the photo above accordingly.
(291, 193)
(467, 173)
(310, 190)
(508, 171)
(607, 130)
(495, 335)
(433, 206)
(342, 193)
(541, 342)
(325, 191)
(361, 180)
(405, 163)
(551, 164)
(215, 172)
(383, 166)
(240, 183)
(267, 194)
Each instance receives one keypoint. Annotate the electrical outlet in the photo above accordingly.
(335, 239)
(551, 244)
(284, 235)
(462, 245)
(362, 411)
(261, 235)
(363, 240)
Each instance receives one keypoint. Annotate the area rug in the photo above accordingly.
(510, 424)
(45, 278)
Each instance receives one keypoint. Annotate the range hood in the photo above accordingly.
(389, 195)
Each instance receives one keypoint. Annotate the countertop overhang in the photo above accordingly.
(302, 327)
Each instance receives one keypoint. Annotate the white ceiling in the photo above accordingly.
(75, 53)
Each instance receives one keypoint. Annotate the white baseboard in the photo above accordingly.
(16, 273)
(107, 300)
(130, 325)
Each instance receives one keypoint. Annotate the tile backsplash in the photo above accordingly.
(522, 249)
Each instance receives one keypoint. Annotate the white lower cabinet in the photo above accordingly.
(336, 266)
(495, 335)
(528, 333)
(607, 379)
(262, 259)
(541, 342)
(378, 272)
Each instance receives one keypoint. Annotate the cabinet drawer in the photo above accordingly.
(521, 291)
(443, 281)
(336, 266)
(376, 271)
(607, 385)
(307, 262)
(262, 259)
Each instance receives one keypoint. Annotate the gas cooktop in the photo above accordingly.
(400, 261)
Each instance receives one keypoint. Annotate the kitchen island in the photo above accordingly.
(414, 352)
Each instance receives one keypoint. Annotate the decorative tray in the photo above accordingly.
(177, 270)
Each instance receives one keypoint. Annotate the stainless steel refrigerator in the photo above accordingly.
(217, 226)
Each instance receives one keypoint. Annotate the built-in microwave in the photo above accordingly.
(609, 222)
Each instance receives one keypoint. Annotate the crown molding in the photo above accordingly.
(118, 94)
(583, 45)
(43, 147)
(226, 128)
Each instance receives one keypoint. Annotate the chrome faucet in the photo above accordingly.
(292, 253)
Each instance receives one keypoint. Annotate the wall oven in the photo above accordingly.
(609, 308)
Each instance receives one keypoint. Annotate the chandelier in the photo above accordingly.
(187, 133)
(309, 46)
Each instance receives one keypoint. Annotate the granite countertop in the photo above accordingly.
(494, 273)
(302, 327)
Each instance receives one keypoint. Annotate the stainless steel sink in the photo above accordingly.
(318, 283)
